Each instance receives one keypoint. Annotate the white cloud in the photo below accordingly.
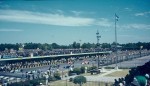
(135, 26)
(60, 20)
(142, 13)
(77, 13)
(59, 11)
(139, 14)
(44, 18)
(128, 9)
(10, 30)
(104, 22)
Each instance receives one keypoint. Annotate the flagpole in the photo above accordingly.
(116, 43)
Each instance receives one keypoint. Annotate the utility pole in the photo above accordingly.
(116, 50)
(98, 38)
(98, 44)
(141, 51)
(80, 47)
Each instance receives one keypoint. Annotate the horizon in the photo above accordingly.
(76, 42)
(64, 22)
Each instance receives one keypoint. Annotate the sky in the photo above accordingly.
(67, 21)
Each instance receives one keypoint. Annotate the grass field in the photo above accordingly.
(89, 74)
(63, 83)
(121, 73)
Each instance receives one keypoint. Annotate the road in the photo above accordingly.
(45, 68)
(132, 63)
(126, 64)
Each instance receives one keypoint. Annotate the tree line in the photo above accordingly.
(74, 45)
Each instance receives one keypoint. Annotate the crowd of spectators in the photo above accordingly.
(105, 60)
(122, 56)
(12, 67)
(39, 52)
(139, 76)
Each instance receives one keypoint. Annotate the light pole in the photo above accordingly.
(116, 19)
(141, 51)
(66, 80)
(46, 81)
(80, 47)
(98, 45)
(98, 38)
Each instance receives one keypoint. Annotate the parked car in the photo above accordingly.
(67, 67)
(95, 71)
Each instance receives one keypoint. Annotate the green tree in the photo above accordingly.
(35, 82)
(92, 68)
(50, 78)
(46, 46)
(57, 76)
(79, 80)
(88, 45)
(55, 46)
(77, 70)
(76, 45)
(82, 69)
(106, 45)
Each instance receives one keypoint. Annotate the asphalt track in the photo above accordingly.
(132, 63)
(126, 64)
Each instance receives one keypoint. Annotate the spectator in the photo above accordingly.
(140, 80)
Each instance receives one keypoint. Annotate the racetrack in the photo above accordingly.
(132, 63)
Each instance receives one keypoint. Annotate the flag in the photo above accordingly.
(116, 17)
